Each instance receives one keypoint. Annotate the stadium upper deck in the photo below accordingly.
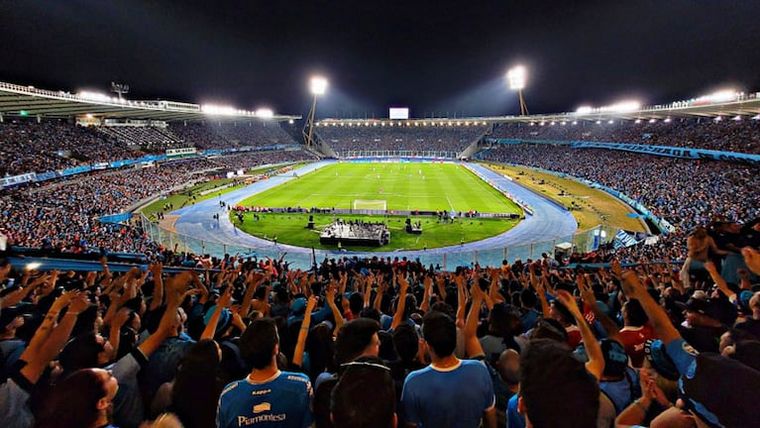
(30, 101)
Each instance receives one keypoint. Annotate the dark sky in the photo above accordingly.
(442, 57)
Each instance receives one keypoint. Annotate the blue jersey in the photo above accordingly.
(441, 398)
(284, 400)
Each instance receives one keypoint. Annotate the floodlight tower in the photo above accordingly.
(120, 89)
(516, 76)
(318, 86)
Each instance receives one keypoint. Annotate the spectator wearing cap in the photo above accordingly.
(619, 382)
(703, 325)
(701, 375)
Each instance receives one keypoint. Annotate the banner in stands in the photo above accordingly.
(115, 218)
(669, 151)
(674, 152)
(17, 179)
(181, 152)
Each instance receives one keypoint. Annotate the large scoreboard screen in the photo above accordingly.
(398, 113)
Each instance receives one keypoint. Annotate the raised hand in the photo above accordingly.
(79, 302)
(616, 269)
(569, 302)
(752, 258)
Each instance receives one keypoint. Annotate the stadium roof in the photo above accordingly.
(724, 104)
(30, 101)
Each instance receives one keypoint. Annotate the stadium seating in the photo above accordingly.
(706, 133)
(29, 146)
(400, 138)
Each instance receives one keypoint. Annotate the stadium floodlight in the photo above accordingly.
(756, 117)
(318, 85)
(652, 120)
(667, 120)
(214, 109)
(575, 122)
(718, 118)
(264, 113)
(637, 121)
(93, 96)
(291, 121)
(516, 77)
(722, 96)
(584, 110)
(737, 118)
(625, 106)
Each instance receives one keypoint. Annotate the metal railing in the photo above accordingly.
(447, 258)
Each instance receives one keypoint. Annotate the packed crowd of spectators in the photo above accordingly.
(686, 193)
(377, 342)
(705, 133)
(64, 215)
(149, 138)
(27, 146)
(221, 135)
(417, 138)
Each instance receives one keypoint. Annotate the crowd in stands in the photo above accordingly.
(417, 138)
(27, 146)
(64, 215)
(220, 135)
(686, 193)
(378, 342)
(704, 133)
(149, 138)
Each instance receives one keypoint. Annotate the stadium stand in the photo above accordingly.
(147, 138)
(706, 133)
(207, 135)
(28, 146)
(449, 138)
(63, 215)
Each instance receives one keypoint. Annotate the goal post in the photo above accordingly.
(370, 204)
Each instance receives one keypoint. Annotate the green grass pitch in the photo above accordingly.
(404, 186)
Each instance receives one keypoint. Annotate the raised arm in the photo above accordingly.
(41, 352)
(398, 317)
(304, 332)
(158, 289)
(175, 292)
(587, 294)
(223, 303)
(330, 297)
(661, 324)
(471, 343)
(595, 364)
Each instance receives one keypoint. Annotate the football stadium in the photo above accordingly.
(302, 215)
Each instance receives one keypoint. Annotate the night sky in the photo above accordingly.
(437, 57)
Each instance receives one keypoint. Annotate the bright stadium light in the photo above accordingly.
(584, 110)
(516, 77)
(214, 109)
(264, 113)
(93, 96)
(318, 85)
(667, 120)
(625, 106)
